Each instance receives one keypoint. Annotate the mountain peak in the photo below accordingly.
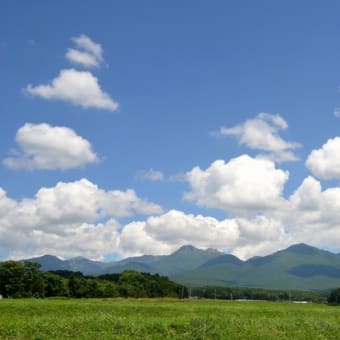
(186, 248)
(46, 257)
(302, 248)
(81, 259)
(190, 249)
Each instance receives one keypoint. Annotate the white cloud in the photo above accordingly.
(258, 229)
(135, 241)
(69, 219)
(243, 185)
(45, 147)
(265, 247)
(6, 204)
(178, 228)
(314, 208)
(68, 203)
(325, 162)
(262, 133)
(85, 43)
(89, 55)
(123, 203)
(315, 214)
(80, 88)
(86, 239)
(166, 233)
(82, 58)
(310, 215)
(78, 218)
(306, 197)
(83, 201)
(150, 175)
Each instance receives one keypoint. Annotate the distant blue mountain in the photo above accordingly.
(298, 267)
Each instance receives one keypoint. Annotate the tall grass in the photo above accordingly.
(165, 319)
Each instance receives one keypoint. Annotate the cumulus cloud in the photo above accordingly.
(69, 219)
(310, 215)
(150, 175)
(123, 203)
(84, 201)
(77, 202)
(262, 133)
(6, 203)
(78, 218)
(80, 88)
(242, 185)
(89, 54)
(315, 208)
(314, 214)
(166, 233)
(176, 227)
(46, 147)
(86, 239)
(325, 162)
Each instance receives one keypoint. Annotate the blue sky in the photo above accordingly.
(134, 127)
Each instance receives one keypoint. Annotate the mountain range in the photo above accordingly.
(299, 267)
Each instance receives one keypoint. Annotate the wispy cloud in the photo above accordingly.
(89, 54)
(150, 175)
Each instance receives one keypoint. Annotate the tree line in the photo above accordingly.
(238, 293)
(23, 280)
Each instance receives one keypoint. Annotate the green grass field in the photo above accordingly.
(165, 319)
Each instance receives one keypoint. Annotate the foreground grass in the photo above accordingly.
(165, 319)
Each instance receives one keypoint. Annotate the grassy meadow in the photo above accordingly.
(165, 319)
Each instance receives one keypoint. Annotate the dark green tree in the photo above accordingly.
(12, 279)
(77, 287)
(34, 285)
(92, 290)
(131, 284)
(107, 289)
(334, 297)
(55, 285)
